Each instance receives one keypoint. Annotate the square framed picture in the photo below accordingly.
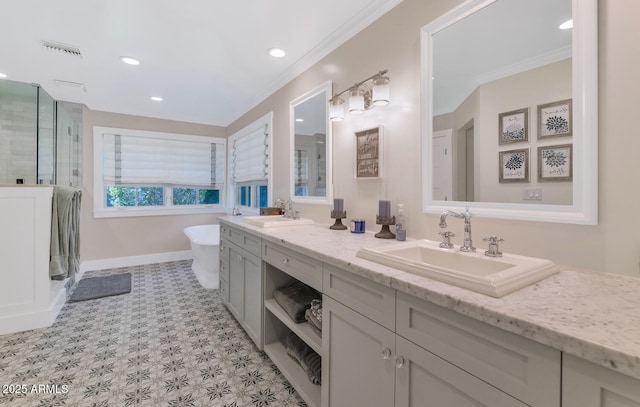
(369, 154)
(555, 163)
(514, 165)
(555, 119)
(513, 127)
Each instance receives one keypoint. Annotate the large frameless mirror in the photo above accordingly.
(510, 110)
(311, 146)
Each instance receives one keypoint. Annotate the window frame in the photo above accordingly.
(232, 186)
(100, 208)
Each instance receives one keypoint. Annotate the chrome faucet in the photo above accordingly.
(467, 245)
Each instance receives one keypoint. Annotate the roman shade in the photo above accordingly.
(250, 155)
(138, 160)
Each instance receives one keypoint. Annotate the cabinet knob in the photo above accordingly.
(221, 268)
(399, 362)
(239, 258)
(285, 260)
(386, 353)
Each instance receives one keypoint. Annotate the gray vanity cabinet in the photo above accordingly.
(394, 344)
(585, 384)
(240, 254)
(357, 366)
(426, 380)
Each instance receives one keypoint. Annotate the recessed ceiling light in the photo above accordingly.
(130, 61)
(566, 25)
(276, 52)
(156, 98)
(3, 75)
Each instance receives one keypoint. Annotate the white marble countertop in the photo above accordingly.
(595, 316)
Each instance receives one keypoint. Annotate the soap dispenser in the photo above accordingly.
(401, 230)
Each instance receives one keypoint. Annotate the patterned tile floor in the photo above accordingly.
(167, 343)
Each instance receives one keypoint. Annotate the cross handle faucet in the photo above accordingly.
(467, 245)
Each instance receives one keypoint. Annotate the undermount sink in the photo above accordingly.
(494, 276)
(271, 221)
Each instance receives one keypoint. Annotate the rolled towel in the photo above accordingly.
(316, 309)
(295, 299)
(313, 322)
(309, 360)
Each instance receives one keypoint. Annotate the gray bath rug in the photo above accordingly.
(98, 287)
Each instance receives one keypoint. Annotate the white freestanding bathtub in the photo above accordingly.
(205, 242)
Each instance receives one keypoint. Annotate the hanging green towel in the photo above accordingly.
(65, 232)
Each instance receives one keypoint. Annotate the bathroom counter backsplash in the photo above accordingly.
(590, 315)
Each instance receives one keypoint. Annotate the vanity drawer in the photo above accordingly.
(370, 299)
(244, 240)
(303, 268)
(520, 367)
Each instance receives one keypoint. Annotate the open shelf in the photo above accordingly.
(292, 371)
(303, 330)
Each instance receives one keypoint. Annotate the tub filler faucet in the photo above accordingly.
(467, 245)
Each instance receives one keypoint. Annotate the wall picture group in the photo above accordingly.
(555, 162)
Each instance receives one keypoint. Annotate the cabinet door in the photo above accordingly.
(253, 302)
(236, 283)
(585, 384)
(354, 372)
(425, 380)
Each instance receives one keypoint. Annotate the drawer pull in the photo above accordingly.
(285, 260)
(399, 362)
(386, 353)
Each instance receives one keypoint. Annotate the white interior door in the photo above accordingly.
(442, 165)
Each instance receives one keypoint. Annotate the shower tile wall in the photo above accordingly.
(18, 148)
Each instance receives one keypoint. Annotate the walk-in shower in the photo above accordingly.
(40, 138)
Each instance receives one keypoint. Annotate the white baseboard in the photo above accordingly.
(116, 262)
(32, 317)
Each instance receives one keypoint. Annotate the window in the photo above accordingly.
(250, 166)
(301, 172)
(138, 173)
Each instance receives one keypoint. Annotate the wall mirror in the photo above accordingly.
(510, 110)
(311, 146)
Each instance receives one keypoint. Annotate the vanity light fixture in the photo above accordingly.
(130, 60)
(364, 95)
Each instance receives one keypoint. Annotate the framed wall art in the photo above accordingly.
(513, 127)
(514, 165)
(555, 163)
(369, 154)
(555, 119)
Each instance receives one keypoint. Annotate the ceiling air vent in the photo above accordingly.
(70, 85)
(61, 48)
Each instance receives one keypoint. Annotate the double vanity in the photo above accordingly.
(415, 324)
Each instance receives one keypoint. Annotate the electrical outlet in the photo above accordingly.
(531, 194)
